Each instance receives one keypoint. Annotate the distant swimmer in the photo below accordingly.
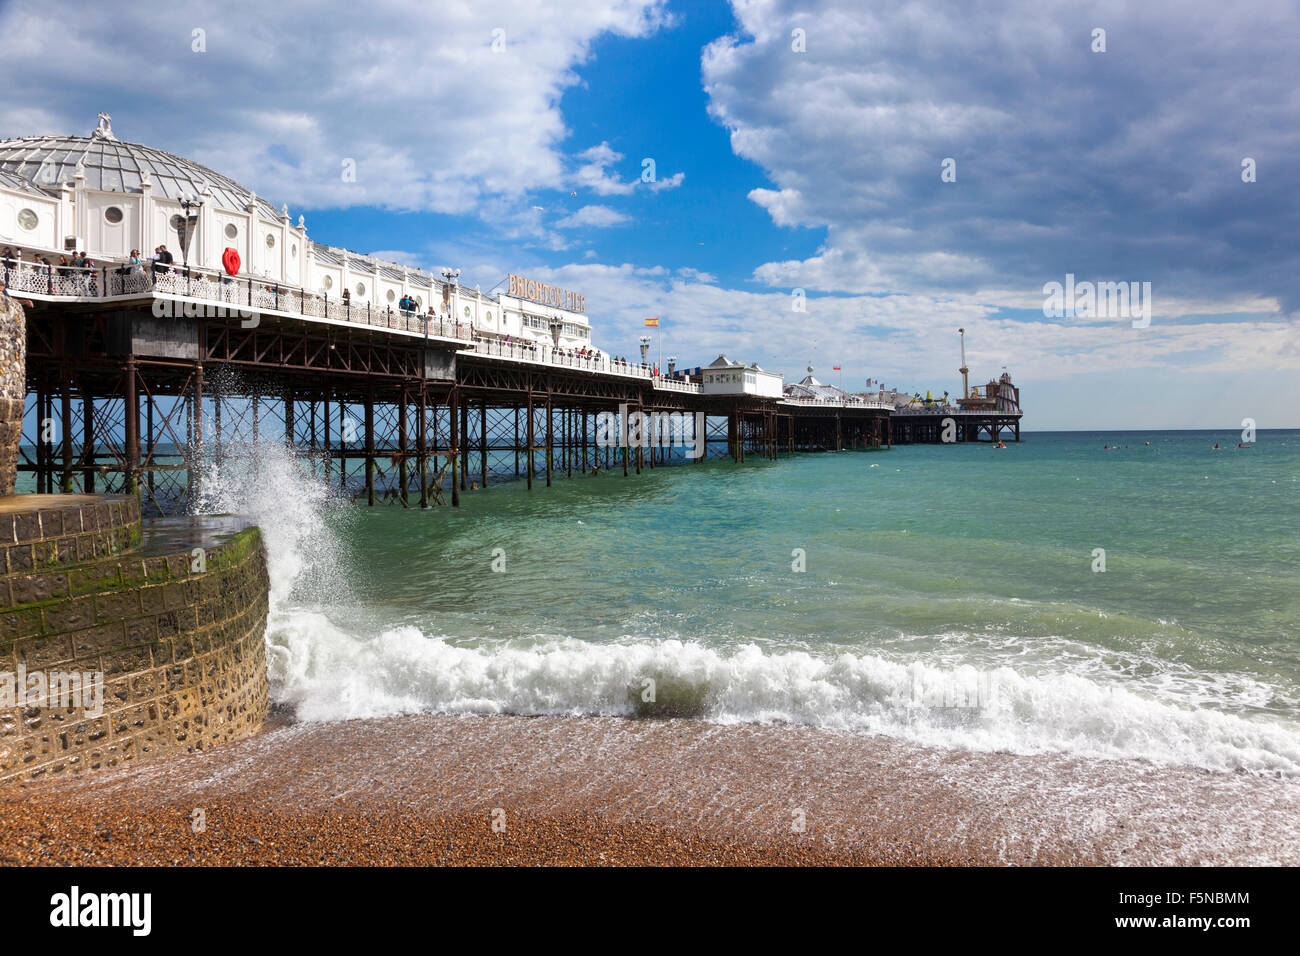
(1216, 447)
(1243, 446)
(1148, 443)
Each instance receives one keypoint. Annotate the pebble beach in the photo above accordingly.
(493, 791)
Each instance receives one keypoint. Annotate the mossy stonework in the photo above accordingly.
(177, 632)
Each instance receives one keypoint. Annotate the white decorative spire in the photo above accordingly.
(105, 128)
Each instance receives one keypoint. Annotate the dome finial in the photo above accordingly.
(105, 128)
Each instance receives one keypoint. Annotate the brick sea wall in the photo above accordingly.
(179, 640)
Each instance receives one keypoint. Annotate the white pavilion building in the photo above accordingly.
(60, 195)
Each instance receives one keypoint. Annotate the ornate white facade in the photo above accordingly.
(60, 195)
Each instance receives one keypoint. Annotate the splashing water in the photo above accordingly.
(907, 631)
(304, 532)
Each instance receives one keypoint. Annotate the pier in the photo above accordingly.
(393, 384)
(390, 406)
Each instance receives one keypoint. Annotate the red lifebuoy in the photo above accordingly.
(230, 260)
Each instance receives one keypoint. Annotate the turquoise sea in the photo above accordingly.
(950, 595)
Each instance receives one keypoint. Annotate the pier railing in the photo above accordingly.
(235, 292)
(260, 295)
(957, 412)
(525, 350)
(678, 385)
(836, 402)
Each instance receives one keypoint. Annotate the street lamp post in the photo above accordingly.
(452, 278)
(645, 347)
(672, 365)
(187, 203)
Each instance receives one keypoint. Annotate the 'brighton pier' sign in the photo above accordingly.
(547, 294)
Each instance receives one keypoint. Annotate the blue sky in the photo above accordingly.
(797, 146)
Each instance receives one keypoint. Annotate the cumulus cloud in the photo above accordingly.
(910, 335)
(593, 216)
(434, 114)
(1122, 165)
(670, 182)
(594, 175)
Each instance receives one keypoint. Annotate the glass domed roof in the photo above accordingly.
(14, 181)
(46, 162)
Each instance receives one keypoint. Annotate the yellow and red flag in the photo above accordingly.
(652, 323)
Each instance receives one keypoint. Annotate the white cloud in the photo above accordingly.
(782, 205)
(1121, 166)
(593, 175)
(596, 217)
(413, 93)
(910, 339)
(671, 182)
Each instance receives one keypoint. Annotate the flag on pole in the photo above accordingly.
(652, 323)
(835, 368)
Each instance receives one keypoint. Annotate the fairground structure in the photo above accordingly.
(393, 383)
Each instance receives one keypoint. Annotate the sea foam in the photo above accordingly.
(329, 674)
(330, 664)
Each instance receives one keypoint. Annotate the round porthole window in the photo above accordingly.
(489, 318)
(293, 249)
(176, 222)
(361, 288)
(231, 231)
(113, 215)
(28, 219)
(270, 241)
(419, 301)
(391, 295)
(467, 312)
(328, 282)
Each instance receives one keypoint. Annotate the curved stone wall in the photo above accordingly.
(172, 631)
